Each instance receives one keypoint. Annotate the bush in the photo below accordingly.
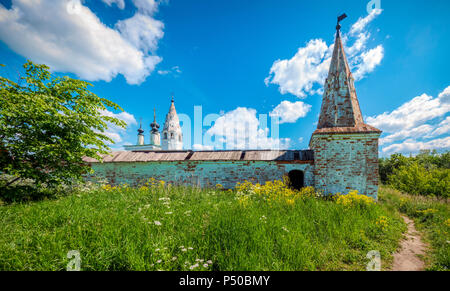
(427, 174)
(416, 179)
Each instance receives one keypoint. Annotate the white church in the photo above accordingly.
(172, 137)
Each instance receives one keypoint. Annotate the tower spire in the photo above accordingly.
(340, 106)
(172, 135)
(154, 125)
(340, 111)
(140, 130)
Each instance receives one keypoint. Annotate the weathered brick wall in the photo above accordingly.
(345, 162)
(202, 173)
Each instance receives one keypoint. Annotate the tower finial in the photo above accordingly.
(140, 130)
(172, 97)
(340, 18)
(154, 114)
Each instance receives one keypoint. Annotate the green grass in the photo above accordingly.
(432, 218)
(116, 230)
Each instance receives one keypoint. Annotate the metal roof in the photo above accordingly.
(362, 128)
(242, 155)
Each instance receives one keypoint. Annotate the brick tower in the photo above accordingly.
(345, 148)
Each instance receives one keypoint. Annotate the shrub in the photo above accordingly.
(416, 179)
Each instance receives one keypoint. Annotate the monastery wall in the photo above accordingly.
(201, 173)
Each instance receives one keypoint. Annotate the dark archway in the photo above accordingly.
(296, 179)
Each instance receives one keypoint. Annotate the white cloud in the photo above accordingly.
(69, 37)
(119, 3)
(174, 70)
(142, 31)
(411, 114)
(240, 129)
(444, 96)
(305, 73)
(412, 146)
(416, 132)
(147, 6)
(290, 112)
(368, 61)
(362, 22)
(442, 128)
(299, 74)
(114, 132)
(420, 123)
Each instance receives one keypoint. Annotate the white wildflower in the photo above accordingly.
(193, 266)
(157, 222)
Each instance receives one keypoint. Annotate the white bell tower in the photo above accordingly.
(172, 137)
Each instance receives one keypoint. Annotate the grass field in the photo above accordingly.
(432, 218)
(168, 228)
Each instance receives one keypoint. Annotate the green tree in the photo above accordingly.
(388, 165)
(47, 125)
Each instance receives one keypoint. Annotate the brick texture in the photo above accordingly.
(346, 162)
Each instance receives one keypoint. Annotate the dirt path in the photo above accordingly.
(407, 258)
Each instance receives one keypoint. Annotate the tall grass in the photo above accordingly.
(178, 228)
(432, 217)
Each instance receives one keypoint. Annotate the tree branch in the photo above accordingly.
(11, 182)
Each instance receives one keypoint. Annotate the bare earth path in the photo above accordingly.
(407, 258)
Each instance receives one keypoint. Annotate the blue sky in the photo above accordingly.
(242, 58)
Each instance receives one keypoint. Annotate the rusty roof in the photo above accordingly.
(362, 128)
(239, 155)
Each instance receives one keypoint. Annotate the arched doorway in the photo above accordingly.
(296, 179)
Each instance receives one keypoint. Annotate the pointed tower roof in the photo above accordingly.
(154, 125)
(172, 122)
(340, 110)
(140, 130)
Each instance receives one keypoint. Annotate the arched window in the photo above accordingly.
(179, 138)
(171, 135)
(165, 135)
(296, 179)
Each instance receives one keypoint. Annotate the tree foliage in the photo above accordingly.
(428, 173)
(48, 124)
